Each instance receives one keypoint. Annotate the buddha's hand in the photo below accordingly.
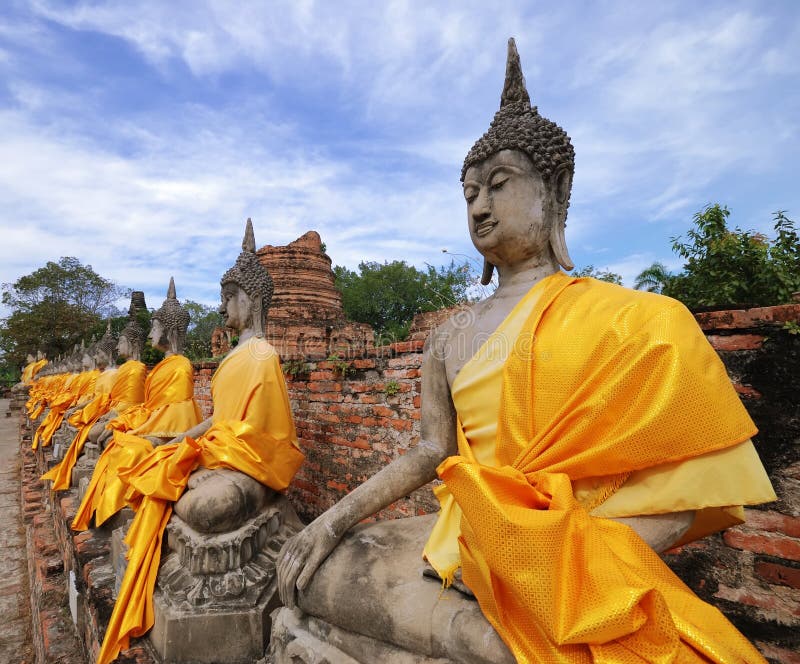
(107, 435)
(301, 555)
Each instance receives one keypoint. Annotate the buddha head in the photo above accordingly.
(131, 341)
(86, 356)
(246, 289)
(517, 180)
(103, 350)
(169, 324)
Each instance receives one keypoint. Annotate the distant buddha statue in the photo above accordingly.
(588, 427)
(166, 408)
(76, 390)
(220, 476)
(117, 388)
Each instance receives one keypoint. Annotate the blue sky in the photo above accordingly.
(139, 136)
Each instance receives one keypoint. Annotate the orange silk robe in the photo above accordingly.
(168, 409)
(602, 384)
(113, 389)
(252, 432)
(75, 391)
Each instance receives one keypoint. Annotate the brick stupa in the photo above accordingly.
(306, 317)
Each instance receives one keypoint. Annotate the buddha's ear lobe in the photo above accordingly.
(563, 184)
(486, 275)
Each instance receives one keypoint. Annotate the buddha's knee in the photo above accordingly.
(221, 501)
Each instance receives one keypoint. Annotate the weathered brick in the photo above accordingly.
(778, 574)
(772, 521)
(772, 544)
(733, 342)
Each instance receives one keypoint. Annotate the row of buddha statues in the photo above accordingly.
(604, 433)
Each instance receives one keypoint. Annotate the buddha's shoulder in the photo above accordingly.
(595, 301)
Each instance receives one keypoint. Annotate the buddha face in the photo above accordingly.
(101, 359)
(157, 335)
(507, 208)
(236, 307)
(123, 346)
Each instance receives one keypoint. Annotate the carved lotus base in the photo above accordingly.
(215, 593)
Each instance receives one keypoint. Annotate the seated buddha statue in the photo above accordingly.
(164, 409)
(117, 388)
(76, 389)
(588, 427)
(223, 478)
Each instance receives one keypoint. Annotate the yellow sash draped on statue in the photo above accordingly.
(120, 386)
(75, 392)
(42, 390)
(168, 410)
(30, 371)
(168, 402)
(602, 384)
(253, 432)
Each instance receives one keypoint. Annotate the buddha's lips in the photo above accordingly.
(483, 228)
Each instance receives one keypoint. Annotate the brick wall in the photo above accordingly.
(354, 416)
(752, 572)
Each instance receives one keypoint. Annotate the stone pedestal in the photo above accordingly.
(215, 593)
(84, 467)
(369, 602)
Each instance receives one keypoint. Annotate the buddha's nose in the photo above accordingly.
(480, 207)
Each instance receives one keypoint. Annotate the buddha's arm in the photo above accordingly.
(195, 432)
(302, 555)
(660, 531)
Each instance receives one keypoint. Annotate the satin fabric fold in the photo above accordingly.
(168, 402)
(168, 410)
(252, 432)
(127, 387)
(75, 392)
(636, 388)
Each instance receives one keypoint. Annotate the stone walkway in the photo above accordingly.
(15, 620)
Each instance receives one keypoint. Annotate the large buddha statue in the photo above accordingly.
(225, 478)
(588, 427)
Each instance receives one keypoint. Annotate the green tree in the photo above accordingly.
(735, 267)
(602, 275)
(204, 319)
(654, 278)
(389, 295)
(53, 308)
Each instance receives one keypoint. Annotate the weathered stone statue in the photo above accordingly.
(217, 585)
(165, 408)
(588, 427)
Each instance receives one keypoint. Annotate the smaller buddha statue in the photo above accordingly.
(128, 346)
(224, 478)
(166, 408)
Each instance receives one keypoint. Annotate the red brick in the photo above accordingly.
(401, 373)
(775, 544)
(364, 364)
(337, 485)
(777, 653)
(322, 375)
(404, 361)
(776, 574)
(401, 425)
(417, 401)
(736, 341)
(354, 419)
(758, 598)
(746, 391)
(383, 411)
(415, 345)
(771, 521)
(742, 319)
(359, 443)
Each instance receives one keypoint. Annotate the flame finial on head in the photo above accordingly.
(514, 89)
